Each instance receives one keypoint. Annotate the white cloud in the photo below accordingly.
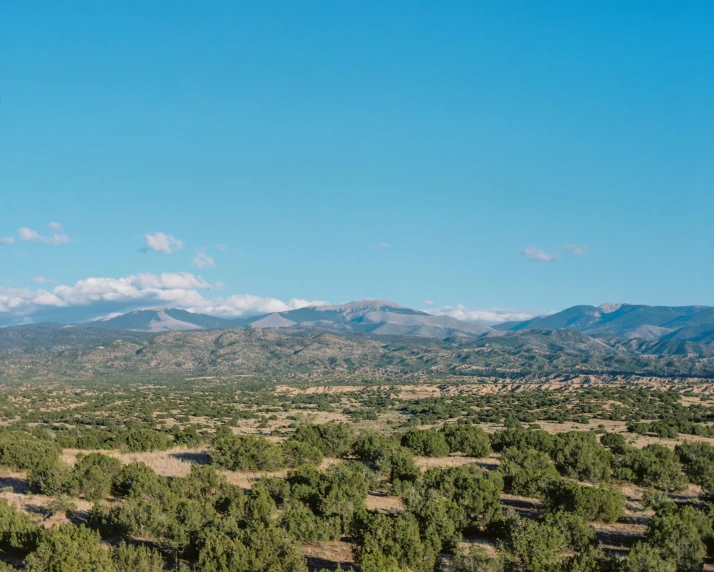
(180, 290)
(488, 315)
(43, 280)
(223, 247)
(202, 259)
(165, 243)
(56, 236)
(428, 302)
(382, 245)
(579, 249)
(537, 255)
(7, 240)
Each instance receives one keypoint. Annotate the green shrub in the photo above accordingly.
(141, 440)
(598, 503)
(128, 558)
(527, 472)
(17, 530)
(296, 453)
(468, 439)
(653, 466)
(579, 456)
(95, 474)
(28, 454)
(246, 452)
(644, 557)
(427, 442)
(391, 540)
(69, 548)
(678, 533)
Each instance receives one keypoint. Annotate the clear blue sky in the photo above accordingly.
(468, 137)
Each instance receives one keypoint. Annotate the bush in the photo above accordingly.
(534, 547)
(427, 442)
(246, 452)
(579, 456)
(389, 541)
(645, 558)
(698, 461)
(653, 466)
(602, 504)
(17, 530)
(296, 453)
(528, 473)
(475, 559)
(523, 439)
(468, 439)
(128, 558)
(141, 440)
(256, 549)
(614, 441)
(69, 548)
(678, 533)
(95, 474)
(28, 454)
(333, 439)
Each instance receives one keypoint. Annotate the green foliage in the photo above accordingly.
(140, 440)
(95, 474)
(468, 439)
(68, 549)
(17, 530)
(535, 547)
(578, 533)
(128, 558)
(428, 443)
(614, 441)
(256, 549)
(246, 452)
(296, 453)
(579, 456)
(333, 439)
(26, 454)
(644, 557)
(384, 542)
(523, 439)
(598, 503)
(475, 559)
(653, 466)
(698, 460)
(527, 472)
(679, 533)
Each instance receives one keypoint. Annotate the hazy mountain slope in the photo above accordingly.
(165, 319)
(50, 338)
(373, 316)
(691, 323)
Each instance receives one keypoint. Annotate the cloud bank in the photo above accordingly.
(95, 297)
(486, 315)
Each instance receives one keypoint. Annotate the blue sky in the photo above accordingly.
(514, 156)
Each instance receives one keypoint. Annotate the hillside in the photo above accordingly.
(682, 323)
(313, 354)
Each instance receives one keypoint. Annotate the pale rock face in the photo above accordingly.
(608, 308)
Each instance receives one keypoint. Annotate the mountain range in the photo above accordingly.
(659, 330)
(365, 316)
(629, 321)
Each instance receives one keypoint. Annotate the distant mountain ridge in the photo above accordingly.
(629, 321)
(366, 316)
(690, 324)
